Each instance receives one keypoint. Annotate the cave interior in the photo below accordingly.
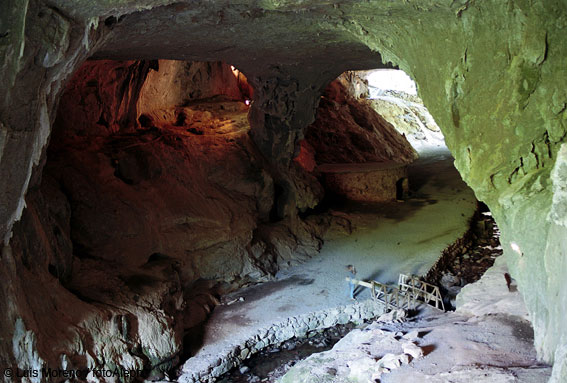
(181, 181)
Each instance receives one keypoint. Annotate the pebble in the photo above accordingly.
(244, 369)
(412, 335)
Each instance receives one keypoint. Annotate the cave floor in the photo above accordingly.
(489, 339)
(382, 240)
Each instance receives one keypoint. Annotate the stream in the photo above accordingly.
(273, 362)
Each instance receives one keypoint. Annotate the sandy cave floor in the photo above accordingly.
(386, 239)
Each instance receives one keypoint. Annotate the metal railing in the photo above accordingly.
(410, 289)
(423, 291)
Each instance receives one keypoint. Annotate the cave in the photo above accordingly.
(183, 184)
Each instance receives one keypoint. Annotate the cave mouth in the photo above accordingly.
(393, 94)
(370, 126)
(380, 81)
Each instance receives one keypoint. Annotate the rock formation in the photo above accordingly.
(408, 115)
(376, 353)
(491, 73)
(143, 194)
(348, 130)
(359, 154)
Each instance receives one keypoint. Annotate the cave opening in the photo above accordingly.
(401, 188)
(365, 161)
(370, 126)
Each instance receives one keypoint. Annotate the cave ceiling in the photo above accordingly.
(304, 37)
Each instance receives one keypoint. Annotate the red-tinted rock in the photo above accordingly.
(306, 156)
(348, 130)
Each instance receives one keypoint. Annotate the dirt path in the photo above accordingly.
(387, 239)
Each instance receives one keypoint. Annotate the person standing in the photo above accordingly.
(352, 274)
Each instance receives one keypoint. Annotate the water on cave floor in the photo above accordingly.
(272, 363)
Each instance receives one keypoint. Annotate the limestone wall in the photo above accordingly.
(498, 94)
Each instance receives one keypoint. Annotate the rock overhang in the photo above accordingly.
(312, 35)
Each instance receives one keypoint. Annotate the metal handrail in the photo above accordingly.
(409, 290)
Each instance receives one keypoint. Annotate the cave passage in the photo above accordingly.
(401, 188)
(363, 165)
(154, 182)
